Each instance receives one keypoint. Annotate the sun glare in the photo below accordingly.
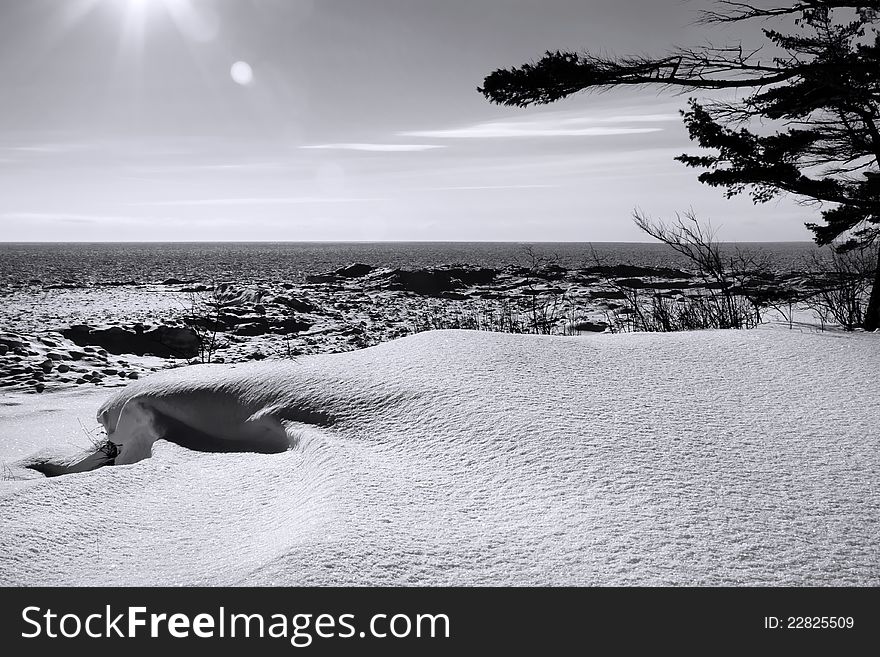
(197, 23)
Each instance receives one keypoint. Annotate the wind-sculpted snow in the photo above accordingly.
(478, 458)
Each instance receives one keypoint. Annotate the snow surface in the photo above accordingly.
(453, 457)
(58, 421)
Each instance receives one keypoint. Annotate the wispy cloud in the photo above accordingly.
(237, 166)
(378, 148)
(501, 130)
(48, 148)
(630, 118)
(71, 218)
(482, 187)
(552, 125)
(256, 200)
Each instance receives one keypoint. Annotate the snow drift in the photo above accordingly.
(471, 458)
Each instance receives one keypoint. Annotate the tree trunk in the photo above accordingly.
(872, 314)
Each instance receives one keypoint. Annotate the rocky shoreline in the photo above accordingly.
(63, 335)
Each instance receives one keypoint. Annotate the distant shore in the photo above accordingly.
(77, 333)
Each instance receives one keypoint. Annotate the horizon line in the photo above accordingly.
(390, 241)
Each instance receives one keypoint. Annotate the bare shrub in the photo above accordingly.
(546, 307)
(840, 285)
(203, 315)
(551, 316)
(731, 289)
(99, 441)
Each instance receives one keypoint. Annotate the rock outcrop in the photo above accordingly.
(163, 341)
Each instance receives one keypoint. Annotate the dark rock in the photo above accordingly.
(12, 342)
(209, 323)
(235, 319)
(322, 278)
(634, 271)
(163, 341)
(63, 368)
(299, 305)
(592, 327)
(470, 276)
(172, 281)
(354, 270)
(550, 272)
(431, 282)
(251, 329)
(290, 325)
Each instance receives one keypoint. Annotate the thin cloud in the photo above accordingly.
(505, 130)
(552, 125)
(257, 200)
(484, 187)
(632, 118)
(378, 148)
(67, 217)
(53, 149)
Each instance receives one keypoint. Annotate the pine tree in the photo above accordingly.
(819, 93)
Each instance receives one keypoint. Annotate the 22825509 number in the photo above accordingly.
(809, 622)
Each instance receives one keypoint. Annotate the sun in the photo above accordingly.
(142, 3)
(139, 21)
(145, 5)
(194, 21)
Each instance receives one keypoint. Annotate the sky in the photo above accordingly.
(340, 120)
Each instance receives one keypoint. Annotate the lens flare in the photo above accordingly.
(242, 73)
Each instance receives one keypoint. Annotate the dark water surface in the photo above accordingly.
(254, 261)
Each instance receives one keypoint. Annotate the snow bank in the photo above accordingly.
(468, 458)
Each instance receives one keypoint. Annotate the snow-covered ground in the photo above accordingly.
(452, 457)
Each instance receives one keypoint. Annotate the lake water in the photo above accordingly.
(255, 261)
